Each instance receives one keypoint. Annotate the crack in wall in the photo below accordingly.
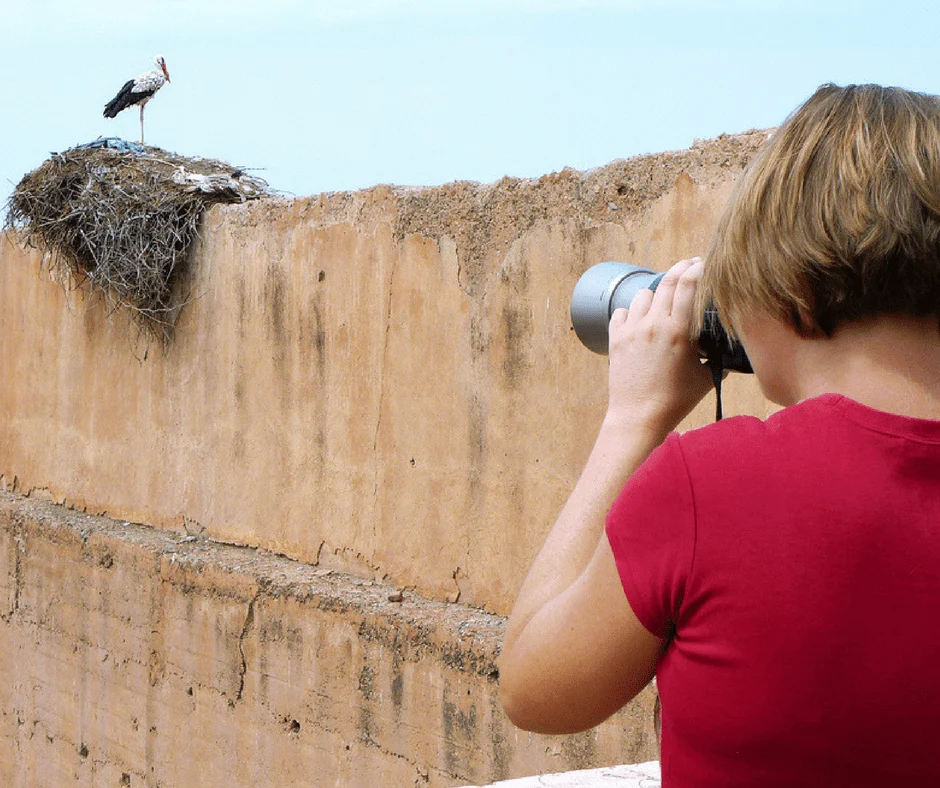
(382, 364)
(79, 747)
(350, 561)
(463, 288)
(447, 248)
(246, 628)
(422, 776)
(455, 596)
(19, 551)
(384, 359)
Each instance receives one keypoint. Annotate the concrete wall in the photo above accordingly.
(133, 658)
(382, 381)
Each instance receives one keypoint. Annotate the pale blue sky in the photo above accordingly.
(326, 96)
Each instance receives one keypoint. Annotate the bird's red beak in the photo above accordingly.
(165, 72)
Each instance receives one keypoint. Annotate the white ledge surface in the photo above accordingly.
(637, 775)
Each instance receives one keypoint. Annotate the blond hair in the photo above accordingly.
(837, 217)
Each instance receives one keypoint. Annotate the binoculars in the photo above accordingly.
(609, 286)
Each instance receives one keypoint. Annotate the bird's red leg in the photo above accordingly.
(142, 122)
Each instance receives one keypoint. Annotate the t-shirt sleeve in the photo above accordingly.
(651, 529)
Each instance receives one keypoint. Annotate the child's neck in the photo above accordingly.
(889, 362)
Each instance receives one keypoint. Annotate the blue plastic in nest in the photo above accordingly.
(114, 143)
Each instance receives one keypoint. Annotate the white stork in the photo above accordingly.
(139, 91)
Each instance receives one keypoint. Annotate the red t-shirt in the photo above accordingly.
(795, 565)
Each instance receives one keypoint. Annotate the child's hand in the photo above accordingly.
(656, 376)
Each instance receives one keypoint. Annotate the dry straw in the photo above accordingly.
(121, 218)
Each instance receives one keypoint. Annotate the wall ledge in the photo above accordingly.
(135, 653)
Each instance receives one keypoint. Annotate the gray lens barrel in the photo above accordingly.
(602, 289)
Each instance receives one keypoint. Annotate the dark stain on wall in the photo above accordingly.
(517, 329)
(460, 730)
(242, 310)
(479, 331)
(398, 682)
(319, 337)
(500, 750)
(239, 385)
(274, 298)
(366, 682)
(477, 441)
(515, 320)
(275, 305)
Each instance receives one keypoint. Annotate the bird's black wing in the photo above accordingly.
(125, 98)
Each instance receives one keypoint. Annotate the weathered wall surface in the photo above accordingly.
(132, 658)
(382, 381)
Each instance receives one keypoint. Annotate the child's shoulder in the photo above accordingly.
(738, 436)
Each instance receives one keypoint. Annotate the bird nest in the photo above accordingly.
(121, 218)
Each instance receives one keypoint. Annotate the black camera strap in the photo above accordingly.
(717, 368)
(721, 354)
